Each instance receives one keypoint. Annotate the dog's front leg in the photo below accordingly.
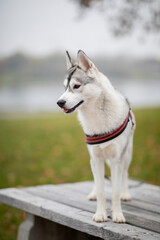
(97, 165)
(116, 176)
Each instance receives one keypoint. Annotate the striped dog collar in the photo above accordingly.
(101, 138)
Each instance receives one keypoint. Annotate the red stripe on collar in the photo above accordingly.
(101, 138)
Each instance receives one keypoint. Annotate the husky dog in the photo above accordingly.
(108, 124)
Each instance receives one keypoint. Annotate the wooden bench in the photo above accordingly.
(63, 212)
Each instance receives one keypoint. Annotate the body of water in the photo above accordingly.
(44, 97)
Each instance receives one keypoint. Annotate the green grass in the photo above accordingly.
(52, 150)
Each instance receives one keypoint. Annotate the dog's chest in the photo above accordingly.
(93, 123)
(107, 150)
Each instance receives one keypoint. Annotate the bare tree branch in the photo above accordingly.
(124, 16)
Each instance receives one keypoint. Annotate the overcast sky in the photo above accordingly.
(42, 27)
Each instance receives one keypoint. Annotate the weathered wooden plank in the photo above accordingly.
(63, 188)
(64, 196)
(140, 199)
(51, 210)
(146, 196)
(151, 191)
(132, 184)
(136, 190)
(140, 218)
(72, 217)
(145, 185)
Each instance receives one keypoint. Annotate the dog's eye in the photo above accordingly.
(76, 86)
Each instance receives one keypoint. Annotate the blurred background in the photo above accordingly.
(122, 37)
(39, 144)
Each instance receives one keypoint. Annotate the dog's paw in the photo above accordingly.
(100, 217)
(125, 196)
(92, 196)
(118, 217)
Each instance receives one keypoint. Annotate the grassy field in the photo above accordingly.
(52, 150)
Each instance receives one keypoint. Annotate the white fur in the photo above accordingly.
(103, 110)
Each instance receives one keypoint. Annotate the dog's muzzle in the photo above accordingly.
(61, 103)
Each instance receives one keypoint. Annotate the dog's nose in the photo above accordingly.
(61, 103)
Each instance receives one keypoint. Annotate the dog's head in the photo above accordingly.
(81, 84)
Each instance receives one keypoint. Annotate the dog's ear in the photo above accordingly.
(84, 62)
(70, 62)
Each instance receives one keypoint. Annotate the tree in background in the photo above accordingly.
(125, 16)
